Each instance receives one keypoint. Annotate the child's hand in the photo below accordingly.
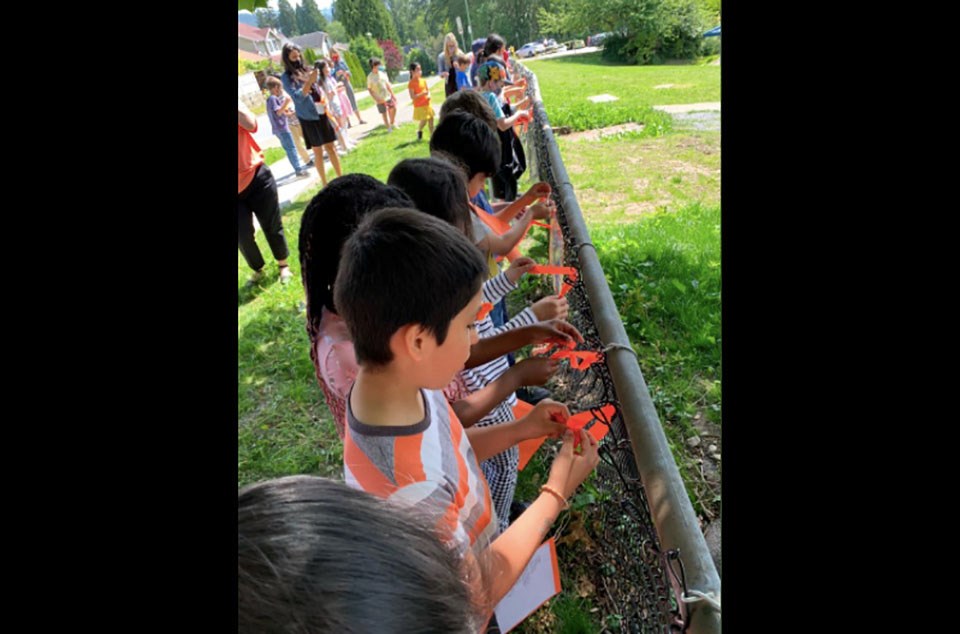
(540, 190)
(544, 419)
(518, 268)
(554, 331)
(551, 307)
(535, 371)
(570, 469)
(543, 210)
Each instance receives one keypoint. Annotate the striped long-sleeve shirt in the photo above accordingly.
(474, 379)
(429, 464)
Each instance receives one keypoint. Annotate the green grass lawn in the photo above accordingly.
(566, 82)
(273, 154)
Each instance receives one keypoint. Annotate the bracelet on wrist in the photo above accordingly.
(549, 489)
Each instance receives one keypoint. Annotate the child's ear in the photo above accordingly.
(410, 341)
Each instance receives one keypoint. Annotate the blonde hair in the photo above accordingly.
(450, 37)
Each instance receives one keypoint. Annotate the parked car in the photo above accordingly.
(530, 49)
(550, 45)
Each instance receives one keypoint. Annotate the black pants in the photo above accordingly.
(260, 197)
(505, 185)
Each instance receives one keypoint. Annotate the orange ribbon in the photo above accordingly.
(575, 423)
(485, 309)
(579, 359)
(499, 227)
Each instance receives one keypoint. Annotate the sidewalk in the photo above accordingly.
(288, 185)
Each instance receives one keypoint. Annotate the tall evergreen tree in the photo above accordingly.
(287, 20)
(309, 18)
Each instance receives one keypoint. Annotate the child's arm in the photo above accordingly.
(527, 372)
(489, 441)
(552, 331)
(503, 244)
(506, 123)
(511, 551)
(512, 210)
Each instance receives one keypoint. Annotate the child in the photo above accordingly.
(327, 222)
(382, 92)
(463, 78)
(408, 289)
(420, 95)
(257, 194)
(329, 86)
(493, 76)
(277, 103)
(500, 470)
(314, 555)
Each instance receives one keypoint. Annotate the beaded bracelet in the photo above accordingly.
(556, 494)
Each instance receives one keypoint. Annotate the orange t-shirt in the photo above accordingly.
(418, 86)
(249, 157)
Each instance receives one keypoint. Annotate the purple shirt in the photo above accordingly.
(277, 121)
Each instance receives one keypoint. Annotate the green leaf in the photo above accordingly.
(677, 284)
(250, 5)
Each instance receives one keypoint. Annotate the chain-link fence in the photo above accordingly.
(640, 531)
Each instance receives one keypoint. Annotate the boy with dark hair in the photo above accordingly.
(408, 288)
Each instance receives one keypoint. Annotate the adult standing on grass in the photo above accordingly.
(301, 84)
(342, 72)
(378, 83)
(257, 194)
(445, 63)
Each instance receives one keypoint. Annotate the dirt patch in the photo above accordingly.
(666, 86)
(646, 207)
(594, 135)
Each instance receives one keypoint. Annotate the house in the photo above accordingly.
(318, 41)
(263, 42)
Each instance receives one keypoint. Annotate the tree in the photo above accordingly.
(287, 20)
(336, 32)
(309, 18)
(364, 48)
(266, 18)
(360, 17)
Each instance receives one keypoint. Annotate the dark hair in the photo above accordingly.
(290, 67)
(322, 65)
(327, 222)
(437, 187)
(403, 267)
(469, 101)
(469, 139)
(493, 45)
(414, 66)
(314, 555)
(374, 60)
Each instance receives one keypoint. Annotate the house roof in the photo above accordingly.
(251, 32)
(250, 57)
(310, 40)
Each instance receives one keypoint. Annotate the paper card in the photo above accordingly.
(539, 581)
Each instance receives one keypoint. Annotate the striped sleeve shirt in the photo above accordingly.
(429, 464)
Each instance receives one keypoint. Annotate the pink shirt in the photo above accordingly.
(336, 364)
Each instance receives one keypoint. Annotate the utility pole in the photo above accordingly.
(469, 26)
